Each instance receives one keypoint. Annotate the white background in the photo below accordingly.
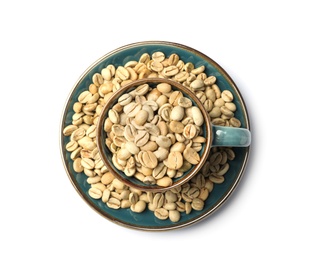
(46, 45)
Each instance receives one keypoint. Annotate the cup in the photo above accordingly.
(213, 135)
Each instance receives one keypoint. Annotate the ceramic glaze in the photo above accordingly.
(147, 220)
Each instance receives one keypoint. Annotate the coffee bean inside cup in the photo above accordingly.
(144, 142)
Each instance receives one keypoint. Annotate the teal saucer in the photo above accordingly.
(146, 220)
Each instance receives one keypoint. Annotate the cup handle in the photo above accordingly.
(230, 136)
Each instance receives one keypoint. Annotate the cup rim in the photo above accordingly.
(126, 180)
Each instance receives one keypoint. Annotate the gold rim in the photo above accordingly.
(127, 181)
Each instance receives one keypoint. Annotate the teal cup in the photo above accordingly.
(215, 136)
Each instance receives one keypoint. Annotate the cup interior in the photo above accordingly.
(106, 154)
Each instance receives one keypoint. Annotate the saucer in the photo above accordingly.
(147, 220)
